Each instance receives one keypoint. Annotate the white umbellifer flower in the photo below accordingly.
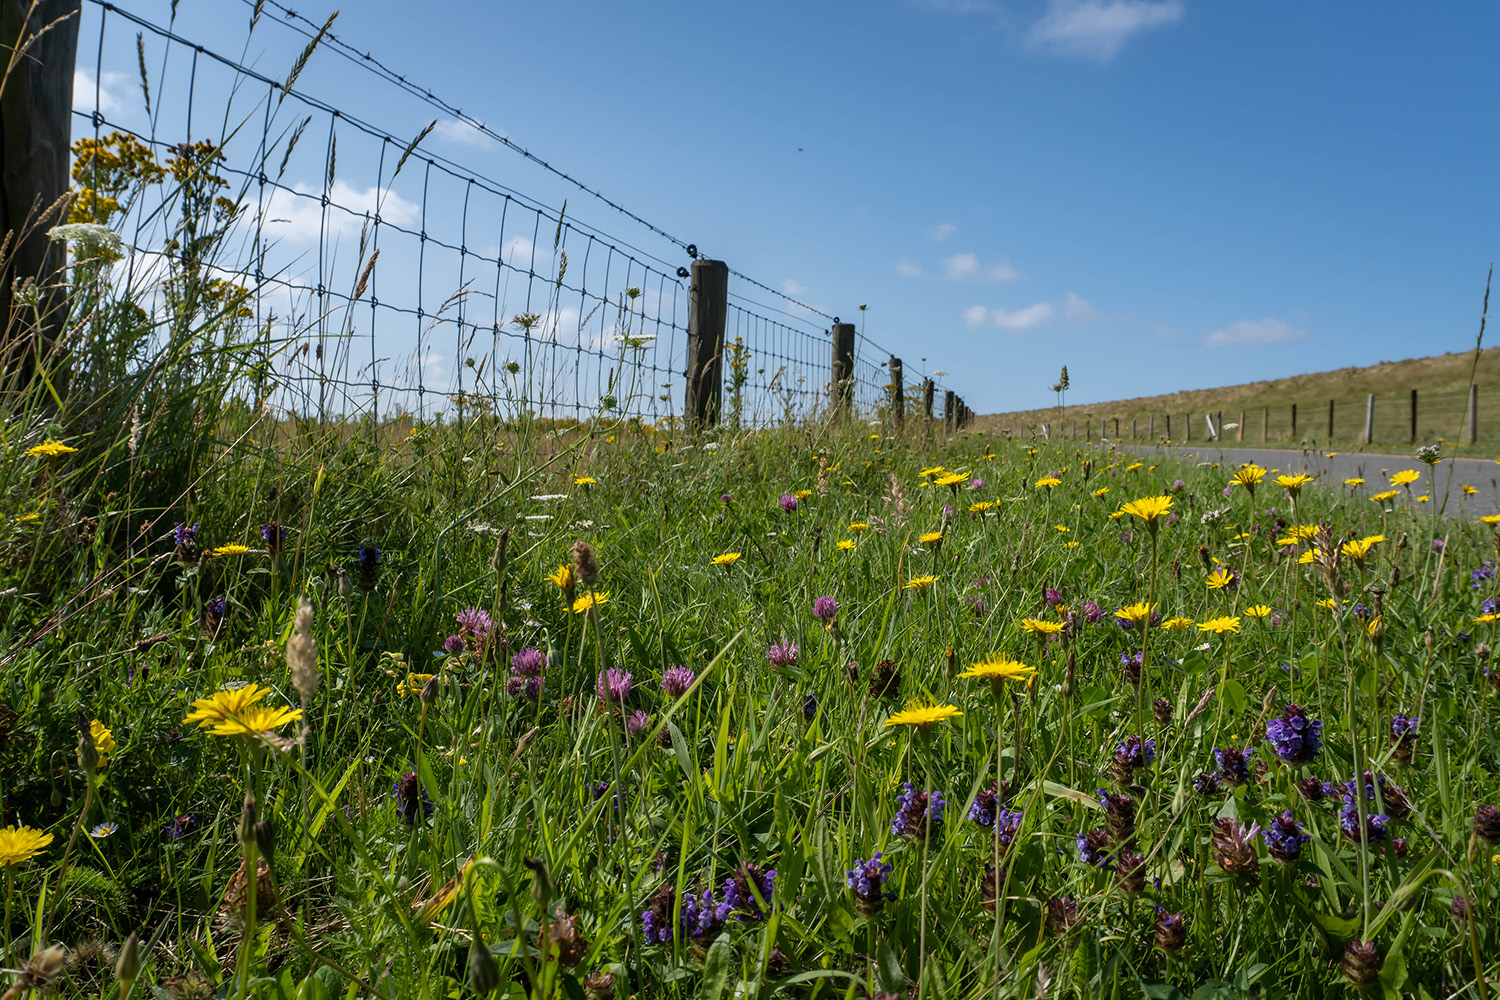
(537, 517)
(550, 496)
(939, 373)
(90, 240)
(711, 446)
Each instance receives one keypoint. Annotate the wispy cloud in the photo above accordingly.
(907, 269)
(111, 86)
(942, 231)
(1077, 310)
(299, 216)
(1254, 332)
(461, 133)
(966, 265)
(1014, 320)
(1099, 29)
(794, 288)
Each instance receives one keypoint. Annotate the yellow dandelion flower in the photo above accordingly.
(1117, 514)
(1134, 613)
(1307, 557)
(104, 740)
(1375, 627)
(922, 715)
(999, 668)
(1248, 475)
(1424, 498)
(1387, 495)
(1258, 611)
(930, 537)
(1328, 604)
(1485, 619)
(413, 685)
(1468, 490)
(802, 494)
(1406, 477)
(584, 480)
(1490, 519)
(224, 705)
(845, 544)
(1361, 548)
(919, 583)
(1133, 466)
(1356, 481)
(21, 843)
(859, 526)
(952, 479)
(932, 471)
(563, 577)
(590, 600)
(1294, 484)
(981, 506)
(1221, 578)
(1177, 623)
(1148, 509)
(1041, 627)
(232, 549)
(50, 449)
(725, 559)
(257, 719)
(1288, 540)
(1101, 491)
(1220, 625)
(1047, 482)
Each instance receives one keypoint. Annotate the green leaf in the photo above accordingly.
(888, 972)
(1233, 694)
(716, 968)
(1393, 970)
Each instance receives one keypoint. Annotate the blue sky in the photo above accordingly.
(1161, 194)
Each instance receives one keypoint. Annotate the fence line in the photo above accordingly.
(483, 297)
(1407, 419)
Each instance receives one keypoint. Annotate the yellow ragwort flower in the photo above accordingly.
(50, 449)
(1101, 491)
(1220, 625)
(584, 480)
(1134, 613)
(1148, 509)
(1468, 490)
(981, 506)
(593, 599)
(1406, 477)
(563, 577)
(725, 559)
(21, 843)
(859, 526)
(1328, 604)
(919, 583)
(1356, 481)
(1040, 627)
(922, 715)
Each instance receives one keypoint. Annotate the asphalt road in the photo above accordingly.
(1445, 480)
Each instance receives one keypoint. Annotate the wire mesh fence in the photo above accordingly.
(372, 273)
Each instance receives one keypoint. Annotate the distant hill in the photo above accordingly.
(1441, 382)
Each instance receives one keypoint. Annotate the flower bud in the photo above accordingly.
(430, 690)
(484, 974)
(88, 752)
(247, 819)
(128, 965)
(265, 839)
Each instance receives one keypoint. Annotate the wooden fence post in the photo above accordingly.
(1117, 428)
(1370, 419)
(949, 415)
(708, 307)
(1168, 418)
(927, 389)
(1473, 428)
(1294, 423)
(843, 368)
(1330, 420)
(1240, 430)
(1187, 434)
(1132, 428)
(1219, 426)
(898, 392)
(1265, 426)
(1414, 416)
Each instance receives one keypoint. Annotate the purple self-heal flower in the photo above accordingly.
(918, 813)
(1483, 573)
(1093, 847)
(742, 888)
(272, 534)
(1131, 754)
(1294, 737)
(1234, 764)
(1284, 838)
(411, 798)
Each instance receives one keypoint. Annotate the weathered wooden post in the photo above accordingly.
(1132, 428)
(1117, 428)
(927, 389)
(1294, 422)
(1414, 416)
(708, 308)
(1472, 434)
(40, 41)
(949, 416)
(1187, 435)
(1240, 430)
(1265, 426)
(843, 369)
(1370, 419)
(898, 393)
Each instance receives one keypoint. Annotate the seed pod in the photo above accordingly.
(128, 965)
(265, 838)
(247, 819)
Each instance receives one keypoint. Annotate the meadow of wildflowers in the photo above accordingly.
(595, 711)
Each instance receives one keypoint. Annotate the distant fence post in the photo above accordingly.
(949, 415)
(1414, 416)
(898, 393)
(1187, 433)
(1265, 425)
(1472, 434)
(708, 308)
(1117, 428)
(1294, 423)
(1240, 430)
(843, 368)
(1330, 420)
(927, 388)
(1370, 419)
(1219, 425)
(1168, 418)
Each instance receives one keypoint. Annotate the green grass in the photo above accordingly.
(1263, 410)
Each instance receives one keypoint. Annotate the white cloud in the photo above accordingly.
(793, 288)
(463, 134)
(1264, 331)
(110, 99)
(942, 231)
(959, 6)
(290, 217)
(966, 265)
(907, 269)
(1014, 320)
(1099, 29)
(1077, 310)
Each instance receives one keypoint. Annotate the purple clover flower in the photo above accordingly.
(638, 723)
(676, 680)
(782, 654)
(788, 503)
(1092, 612)
(454, 644)
(528, 662)
(825, 609)
(1053, 597)
(613, 685)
